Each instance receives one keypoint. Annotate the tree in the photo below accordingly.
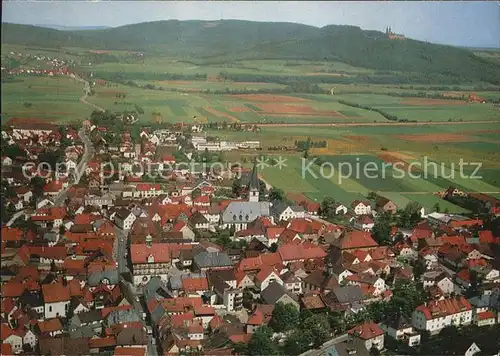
(276, 194)
(62, 230)
(337, 322)
(236, 188)
(285, 317)
(297, 343)
(372, 196)
(436, 208)
(262, 344)
(382, 228)
(410, 215)
(195, 193)
(207, 156)
(317, 328)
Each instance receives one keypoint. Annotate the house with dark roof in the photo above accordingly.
(224, 284)
(399, 327)
(384, 205)
(320, 281)
(276, 292)
(204, 261)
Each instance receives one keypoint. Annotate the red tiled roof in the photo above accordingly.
(216, 322)
(419, 233)
(55, 292)
(143, 187)
(290, 252)
(11, 234)
(130, 351)
(204, 310)
(179, 320)
(53, 187)
(257, 318)
(195, 327)
(486, 315)
(6, 348)
(366, 331)
(485, 237)
(265, 272)
(53, 252)
(195, 284)
(140, 253)
(273, 232)
(364, 219)
(355, 203)
(179, 304)
(440, 308)
(52, 213)
(463, 223)
(356, 239)
(453, 240)
(50, 325)
(102, 342)
(464, 275)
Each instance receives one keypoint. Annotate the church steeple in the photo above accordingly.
(253, 184)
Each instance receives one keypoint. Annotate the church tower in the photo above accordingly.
(253, 185)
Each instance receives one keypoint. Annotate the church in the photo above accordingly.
(239, 214)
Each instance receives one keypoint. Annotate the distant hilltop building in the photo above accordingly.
(393, 36)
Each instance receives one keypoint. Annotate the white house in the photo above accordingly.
(266, 276)
(398, 327)
(30, 338)
(15, 341)
(340, 209)
(57, 298)
(370, 333)
(124, 218)
(364, 222)
(436, 315)
(361, 207)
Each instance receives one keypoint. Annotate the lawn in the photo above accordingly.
(428, 201)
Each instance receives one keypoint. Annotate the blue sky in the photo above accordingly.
(474, 23)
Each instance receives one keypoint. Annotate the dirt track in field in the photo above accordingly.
(355, 124)
(269, 98)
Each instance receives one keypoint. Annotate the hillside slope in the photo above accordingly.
(221, 41)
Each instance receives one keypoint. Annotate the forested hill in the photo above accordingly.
(220, 41)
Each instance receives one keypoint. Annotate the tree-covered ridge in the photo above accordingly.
(220, 41)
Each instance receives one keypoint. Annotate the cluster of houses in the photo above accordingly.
(57, 66)
(127, 265)
(31, 141)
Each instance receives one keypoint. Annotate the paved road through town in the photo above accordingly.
(322, 350)
(80, 168)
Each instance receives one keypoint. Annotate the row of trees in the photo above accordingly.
(306, 145)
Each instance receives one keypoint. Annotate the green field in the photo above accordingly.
(55, 98)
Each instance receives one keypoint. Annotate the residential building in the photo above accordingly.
(370, 333)
(436, 315)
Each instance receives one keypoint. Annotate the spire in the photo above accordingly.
(253, 184)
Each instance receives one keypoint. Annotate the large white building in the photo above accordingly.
(436, 315)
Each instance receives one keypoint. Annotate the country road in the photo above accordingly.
(83, 98)
(355, 124)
